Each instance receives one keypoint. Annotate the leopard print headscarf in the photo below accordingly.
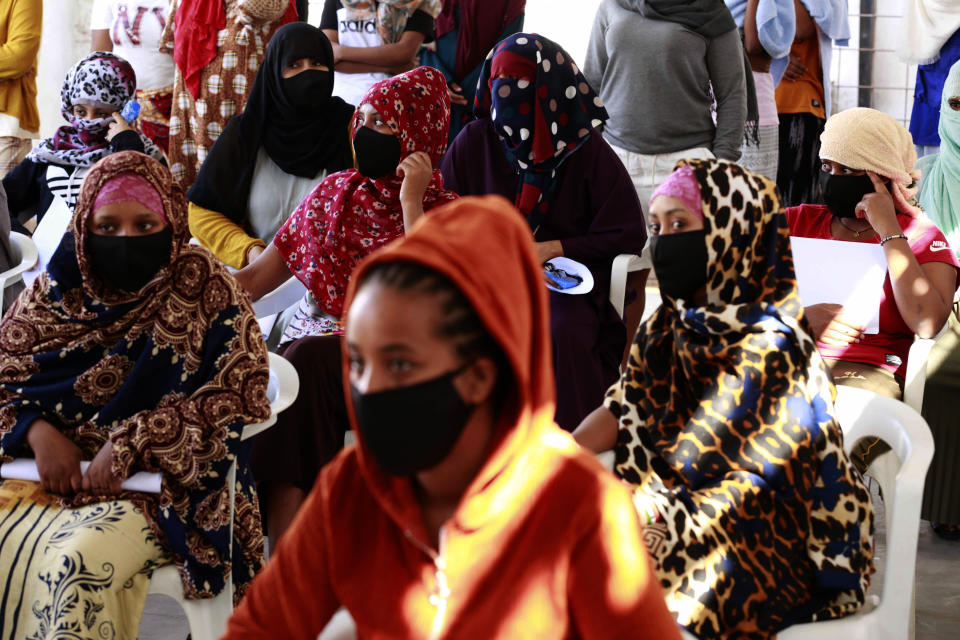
(726, 426)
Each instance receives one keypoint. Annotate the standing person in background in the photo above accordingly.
(375, 39)
(217, 46)
(465, 34)
(767, 27)
(132, 29)
(658, 67)
(803, 96)
(20, 24)
(927, 92)
(930, 38)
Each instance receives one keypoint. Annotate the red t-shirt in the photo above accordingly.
(889, 348)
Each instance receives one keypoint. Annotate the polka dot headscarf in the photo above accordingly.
(541, 107)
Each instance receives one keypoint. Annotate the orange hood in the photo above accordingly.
(484, 246)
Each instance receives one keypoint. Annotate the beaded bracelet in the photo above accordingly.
(884, 240)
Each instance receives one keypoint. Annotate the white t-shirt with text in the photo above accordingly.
(135, 27)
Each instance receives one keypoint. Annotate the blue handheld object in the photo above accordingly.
(130, 111)
(560, 279)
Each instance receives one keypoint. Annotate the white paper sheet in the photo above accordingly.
(56, 221)
(847, 273)
(26, 469)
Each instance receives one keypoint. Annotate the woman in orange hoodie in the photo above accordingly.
(463, 512)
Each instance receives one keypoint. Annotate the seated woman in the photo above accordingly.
(939, 197)
(375, 39)
(94, 92)
(141, 353)
(463, 512)
(291, 134)
(399, 134)
(722, 421)
(939, 194)
(869, 158)
(537, 142)
(466, 31)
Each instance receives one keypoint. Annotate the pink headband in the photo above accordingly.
(682, 184)
(130, 187)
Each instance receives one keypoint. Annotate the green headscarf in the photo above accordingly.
(940, 186)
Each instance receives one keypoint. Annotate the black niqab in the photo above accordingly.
(302, 142)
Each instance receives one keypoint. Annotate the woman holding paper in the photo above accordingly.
(140, 352)
(868, 158)
(723, 421)
(870, 194)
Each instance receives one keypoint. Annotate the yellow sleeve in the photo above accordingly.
(18, 55)
(224, 237)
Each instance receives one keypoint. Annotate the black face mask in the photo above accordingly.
(128, 263)
(308, 90)
(378, 154)
(413, 428)
(680, 262)
(842, 193)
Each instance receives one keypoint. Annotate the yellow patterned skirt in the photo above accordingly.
(72, 573)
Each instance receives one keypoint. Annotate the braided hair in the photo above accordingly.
(459, 323)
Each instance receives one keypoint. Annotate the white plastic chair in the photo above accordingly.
(208, 618)
(277, 301)
(623, 264)
(47, 236)
(340, 627)
(607, 458)
(25, 254)
(916, 379)
(287, 294)
(863, 414)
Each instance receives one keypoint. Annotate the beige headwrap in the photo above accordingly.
(871, 140)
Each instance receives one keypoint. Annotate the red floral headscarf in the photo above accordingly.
(348, 216)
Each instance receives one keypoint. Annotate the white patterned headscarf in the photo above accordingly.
(101, 79)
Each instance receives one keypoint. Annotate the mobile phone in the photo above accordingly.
(130, 111)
